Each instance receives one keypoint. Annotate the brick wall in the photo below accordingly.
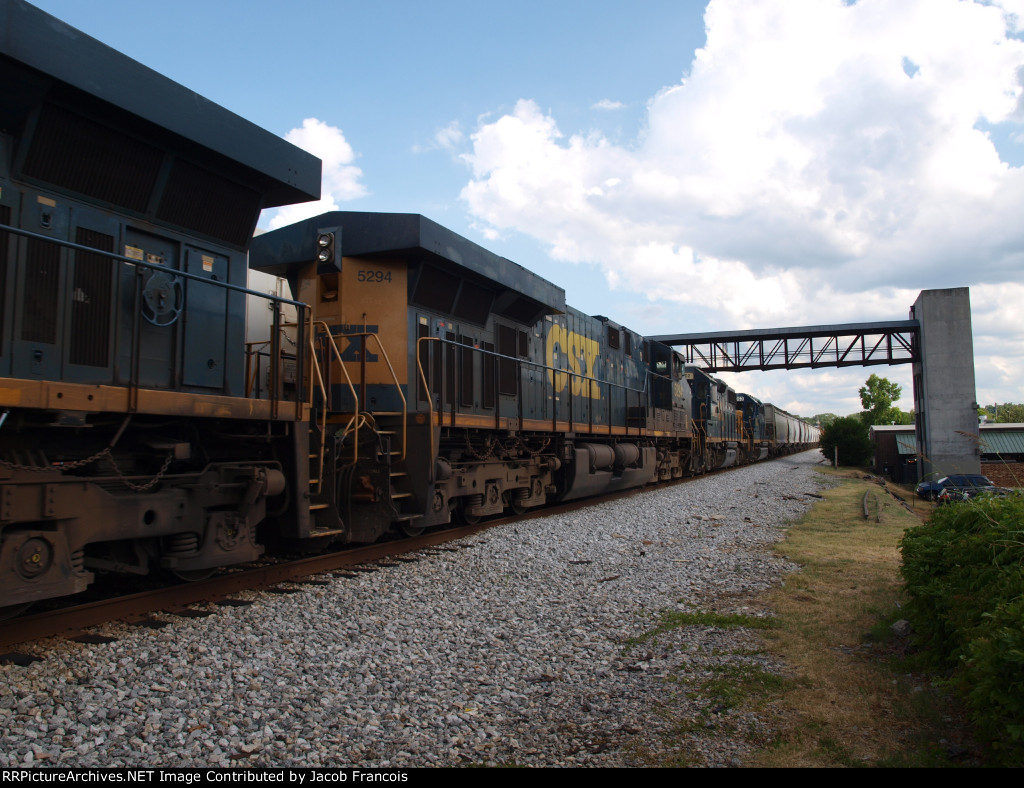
(1004, 474)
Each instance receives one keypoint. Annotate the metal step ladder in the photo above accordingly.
(400, 487)
(323, 513)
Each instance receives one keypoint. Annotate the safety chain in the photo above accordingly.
(489, 450)
(82, 463)
(139, 487)
(530, 452)
(69, 466)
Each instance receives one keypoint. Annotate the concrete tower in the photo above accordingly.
(944, 395)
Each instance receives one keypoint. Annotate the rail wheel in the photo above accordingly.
(193, 575)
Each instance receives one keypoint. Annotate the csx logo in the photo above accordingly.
(349, 346)
(582, 354)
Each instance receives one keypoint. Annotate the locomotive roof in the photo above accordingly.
(67, 58)
(400, 234)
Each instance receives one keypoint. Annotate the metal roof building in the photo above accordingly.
(896, 448)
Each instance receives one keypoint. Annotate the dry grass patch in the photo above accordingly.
(852, 702)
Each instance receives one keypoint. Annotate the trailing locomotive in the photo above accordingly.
(414, 378)
(457, 383)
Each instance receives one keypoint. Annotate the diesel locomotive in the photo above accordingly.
(410, 376)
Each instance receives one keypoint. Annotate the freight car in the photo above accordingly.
(414, 378)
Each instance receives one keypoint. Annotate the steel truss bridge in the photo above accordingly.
(853, 344)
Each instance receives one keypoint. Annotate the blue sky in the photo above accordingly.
(678, 166)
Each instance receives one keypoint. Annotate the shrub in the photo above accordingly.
(993, 677)
(850, 436)
(964, 571)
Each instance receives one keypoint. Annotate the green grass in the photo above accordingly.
(669, 620)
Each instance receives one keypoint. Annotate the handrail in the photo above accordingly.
(252, 375)
(326, 397)
(429, 398)
(553, 371)
(358, 418)
(394, 376)
(142, 264)
(134, 349)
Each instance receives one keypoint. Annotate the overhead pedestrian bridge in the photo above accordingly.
(937, 340)
(852, 344)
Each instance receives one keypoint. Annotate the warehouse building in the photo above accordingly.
(1001, 447)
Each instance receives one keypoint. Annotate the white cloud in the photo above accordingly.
(340, 181)
(450, 138)
(608, 104)
(801, 173)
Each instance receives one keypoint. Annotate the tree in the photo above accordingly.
(876, 397)
(1009, 413)
(850, 435)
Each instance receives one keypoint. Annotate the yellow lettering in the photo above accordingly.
(581, 356)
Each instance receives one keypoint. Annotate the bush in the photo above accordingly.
(964, 571)
(850, 436)
(993, 677)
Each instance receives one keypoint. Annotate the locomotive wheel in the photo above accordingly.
(412, 530)
(467, 519)
(193, 575)
(518, 509)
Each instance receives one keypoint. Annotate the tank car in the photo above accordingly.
(127, 202)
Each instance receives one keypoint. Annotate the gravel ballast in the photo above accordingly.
(521, 646)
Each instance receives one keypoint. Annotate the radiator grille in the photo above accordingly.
(473, 304)
(75, 153)
(436, 289)
(90, 301)
(5, 237)
(42, 278)
(200, 200)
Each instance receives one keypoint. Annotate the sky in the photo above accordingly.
(678, 166)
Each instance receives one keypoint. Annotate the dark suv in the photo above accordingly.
(957, 487)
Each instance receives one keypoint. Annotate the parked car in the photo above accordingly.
(965, 485)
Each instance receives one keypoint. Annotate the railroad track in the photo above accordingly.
(74, 621)
(139, 608)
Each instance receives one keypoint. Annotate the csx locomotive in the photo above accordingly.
(414, 377)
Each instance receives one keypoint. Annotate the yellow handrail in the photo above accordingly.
(394, 377)
(426, 392)
(358, 418)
